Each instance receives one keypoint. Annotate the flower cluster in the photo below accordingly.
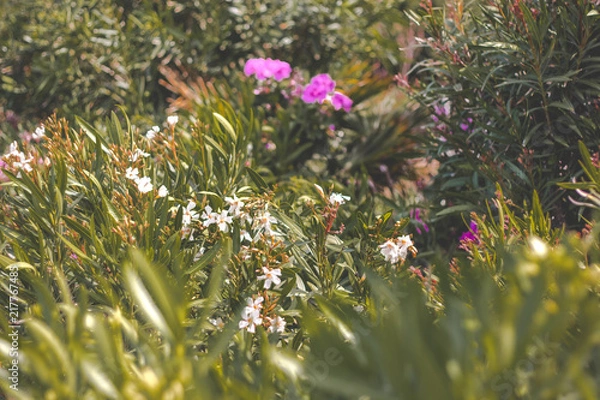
(252, 224)
(17, 160)
(267, 68)
(321, 88)
(144, 184)
(396, 250)
(252, 317)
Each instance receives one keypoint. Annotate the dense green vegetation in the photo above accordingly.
(255, 200)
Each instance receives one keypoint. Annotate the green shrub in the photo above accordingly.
(87, 58)
(218, 238)
(512, 86)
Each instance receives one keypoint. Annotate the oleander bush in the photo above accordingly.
(237, 213)
(82, 58)
(512, 86)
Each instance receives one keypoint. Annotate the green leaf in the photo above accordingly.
(228, 127)
(257, 179)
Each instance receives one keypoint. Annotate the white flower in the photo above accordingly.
(395, 250)
(390, 251)
(404, 241)
(235, 205)
(245, 235)
(14, 149)
(276, 324)
(250, 321)
(199, 254)
(251, 314)
(18, 159)
(187, 233)
(132, 173)
(223, 220)
(209, 217)
(189, 214)
(137, 154)
(39, 134)
(271, 276)
(264, 222)
(151, 134)
(163, 191)
(253, 305)
(337, 199)
(172, 120)
(218, 323)
(144, 185)
(244, 218)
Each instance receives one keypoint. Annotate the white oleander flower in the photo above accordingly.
(235, 205)
(151, 134)
(250, 321)
(144, 184)
(264, 222)
(394, 250)
(132, 173)
(172, 120)
(223, 220)
(189, 214)
(271, 276)
(276, 324)
(39, 133)
(163, 191)
(337, 199)
(137, 153)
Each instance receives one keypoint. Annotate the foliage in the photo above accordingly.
(265, 239)
(512, 87)
(533, 337)
(73, 221)
(86, 58)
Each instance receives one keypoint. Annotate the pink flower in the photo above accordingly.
(269, 68)
(318, 89)
(280, 69)
(471, 235)
(339, 100)
(3, 177)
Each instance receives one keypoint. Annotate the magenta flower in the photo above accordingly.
(339, 100)
(279, 69)
(466, 126)
(269, 68)
(416, 215)
(471, 234)
(253, 65)
(318, 89)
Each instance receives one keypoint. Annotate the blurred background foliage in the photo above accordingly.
(512, 87)
(84, 58)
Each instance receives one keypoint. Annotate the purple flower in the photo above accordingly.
(339, 100)
(318, 89)
(253, 65)
(416, 215)
(466, 126)
(440, 110)
(279, 69)
(269, 68)
(471, 234)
